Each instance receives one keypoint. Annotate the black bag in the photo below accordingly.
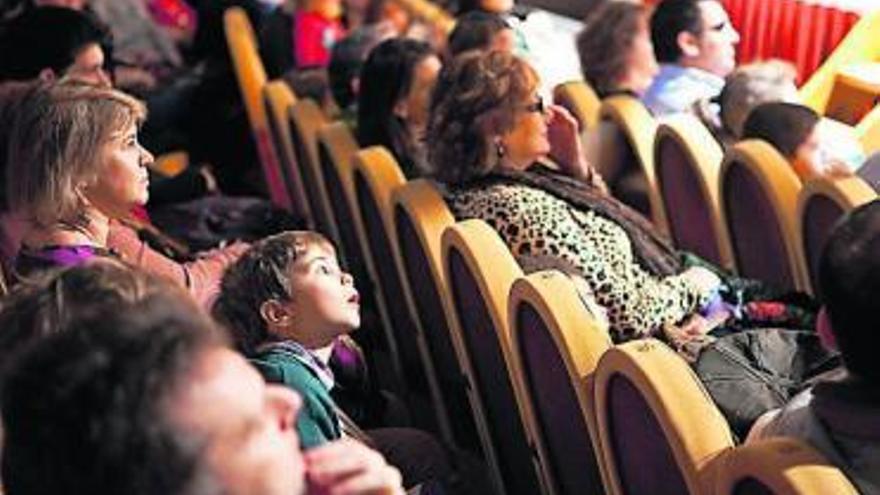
(751, 372)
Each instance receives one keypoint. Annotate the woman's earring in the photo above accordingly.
(499, 148)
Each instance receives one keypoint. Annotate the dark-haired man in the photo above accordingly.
(695, 44)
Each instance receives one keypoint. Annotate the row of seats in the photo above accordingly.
(516, 366)
(744, 209)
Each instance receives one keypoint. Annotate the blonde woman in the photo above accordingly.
(75, 169)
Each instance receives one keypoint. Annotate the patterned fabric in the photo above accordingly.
(536, 223)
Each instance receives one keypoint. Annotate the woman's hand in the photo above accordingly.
(565, 144)
(348, 467)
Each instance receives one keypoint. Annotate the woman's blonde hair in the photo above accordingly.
(55, 146)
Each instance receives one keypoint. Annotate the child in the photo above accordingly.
(286, 301)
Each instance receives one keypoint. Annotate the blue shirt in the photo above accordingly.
(676, 88)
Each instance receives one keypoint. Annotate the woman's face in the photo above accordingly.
(641, 64)
(528, 140)
(122, 177)
(414, 107)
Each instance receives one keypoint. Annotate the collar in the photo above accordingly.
(674, 71)
(308, 359)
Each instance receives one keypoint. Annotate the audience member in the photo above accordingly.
(286, 302)
(696, 47)
(300, 35)
(479, 30)
(490, 134)
(537, 33)
(346, 60)
(839, 414)
(75, 170)
(395, 89)
(52, 42)
(745, 88)
(46, 303)
(794, 131)
(150, 400)
(615, 49)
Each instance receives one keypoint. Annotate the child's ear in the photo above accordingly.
(275, 313)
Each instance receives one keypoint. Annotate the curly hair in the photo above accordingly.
(478, 96)
(605, 42)
(260, 275)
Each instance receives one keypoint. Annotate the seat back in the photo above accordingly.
(480, 272)
(633, 148)
(278, 99)
(868, 131)
(579, 98)
(558, 343)
(251, 76)
(658, 426)
(779, 466)
(759, 193)
(376, 175)
(420, 217)
(306, 119)
(336, 148)
(821, 203)
(687, 160)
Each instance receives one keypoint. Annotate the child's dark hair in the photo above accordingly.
(260, 275)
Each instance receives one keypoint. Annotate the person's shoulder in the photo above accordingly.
(278, 366)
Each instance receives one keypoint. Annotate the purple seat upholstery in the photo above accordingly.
(321, 217)
(392, 291)
(751, 486)
(756, 234)
(558, 413)
(289, 168)
(688, 210)
(450, 377)
(507, 431)
(644, 460)
(820, 215)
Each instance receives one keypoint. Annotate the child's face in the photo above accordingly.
(325, 303)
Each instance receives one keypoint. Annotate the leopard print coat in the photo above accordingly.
(533, 222)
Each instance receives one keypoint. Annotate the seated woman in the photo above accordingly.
(798, 133)
(489, 132)
(615, 49)
(617, 58)
(395, 88)
(75, 170)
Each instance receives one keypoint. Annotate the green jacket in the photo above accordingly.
(317, 422)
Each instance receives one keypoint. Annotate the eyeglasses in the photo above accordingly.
(537, 106)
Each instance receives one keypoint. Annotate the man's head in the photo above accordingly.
(52, 42)
(694, 33)
(288, 286)
(849, 283)
(143, 401)
(347, 58)
(479, 30)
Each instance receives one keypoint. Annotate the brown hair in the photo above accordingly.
(261, 274)
(477, 96)
(606, 40)
(55, 143)
(784, 125)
